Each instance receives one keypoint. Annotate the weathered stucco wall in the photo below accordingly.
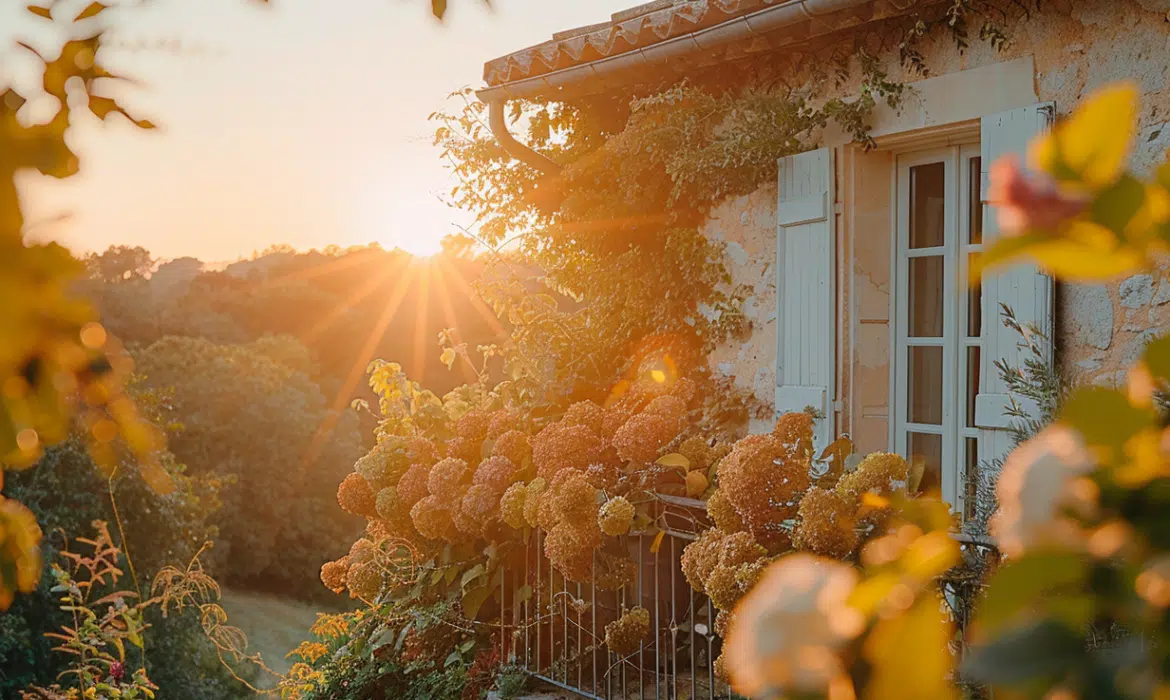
(1077, 46)
(747, 227)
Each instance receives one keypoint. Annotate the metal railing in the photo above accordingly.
(555, 628)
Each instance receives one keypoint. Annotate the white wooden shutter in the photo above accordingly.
(804, 288)
(1022, 287)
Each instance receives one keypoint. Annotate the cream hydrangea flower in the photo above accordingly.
(1040, 481)
(790, 627)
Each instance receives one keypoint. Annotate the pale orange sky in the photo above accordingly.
(301, 123)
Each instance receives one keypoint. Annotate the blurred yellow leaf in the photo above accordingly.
(674, 459)
(1092, 145)
(657, 544)
(1083, 251)
(40, 11)
(910, 655)
(448, 357)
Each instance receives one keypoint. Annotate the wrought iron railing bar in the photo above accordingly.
(566, 686)
(672, 661)
(693, 641)
(638, 585)
(565, 627)
(538, 587)
(527, 611)
(580, 650)
(593, 626)
(657, 637)
(711, 651)
(623, 688)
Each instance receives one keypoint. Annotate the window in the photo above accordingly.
(938, 316)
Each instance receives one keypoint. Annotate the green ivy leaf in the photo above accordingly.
(474, 599)
(470, 575)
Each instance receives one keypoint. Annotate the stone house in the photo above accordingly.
(859, 258)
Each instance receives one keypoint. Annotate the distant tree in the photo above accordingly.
(253, 422)
(119, 263)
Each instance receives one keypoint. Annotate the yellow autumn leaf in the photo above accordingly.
(674, 459)
(657, 544)
(696, 484)
(1091, 146)
(448, 357)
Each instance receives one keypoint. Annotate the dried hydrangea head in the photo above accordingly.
(571, 499)
(643, 436)
(558, 447)
(624, 635)
(495, 472)
(616, 516)
(433, 519)
(532, 501)
(422, 451)
(412, 487)
(473, 426)
(790, 628)
(512, 505)
(795, 429)
(385, 464)
(446, 477)
(1042, 481)
(394, 515)
(569, 548)
(364, 581)
(883, 473)
(501, 422)
(361, 551)
(513, 446)
(479, 507)
(723, 513)
(764, 479)
(355, 496)
(585, 413)
(333, 574)
(826, 524)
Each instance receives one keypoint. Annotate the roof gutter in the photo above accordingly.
(782, 16)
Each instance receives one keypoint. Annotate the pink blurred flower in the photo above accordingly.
(1025, 202)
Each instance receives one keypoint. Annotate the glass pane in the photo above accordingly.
(971, 478)
(974, 304)
(925, 390)
(975, 184)
(926, 297)
(927, 197)
(972, 383)
(927, 448)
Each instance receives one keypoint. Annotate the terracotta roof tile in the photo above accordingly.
(631, 29)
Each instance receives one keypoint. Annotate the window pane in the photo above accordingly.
(971, 478)
(927, 197)
(928, 449)
(925, 390)
(972, 383)
(926, 297)
(974, 304)
(975, 219)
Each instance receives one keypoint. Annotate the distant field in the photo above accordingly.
(275, 626)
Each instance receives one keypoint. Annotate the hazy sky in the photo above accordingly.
(300, 123)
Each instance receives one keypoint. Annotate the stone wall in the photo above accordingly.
(1077, 46)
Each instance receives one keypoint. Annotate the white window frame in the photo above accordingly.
(956, 426)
